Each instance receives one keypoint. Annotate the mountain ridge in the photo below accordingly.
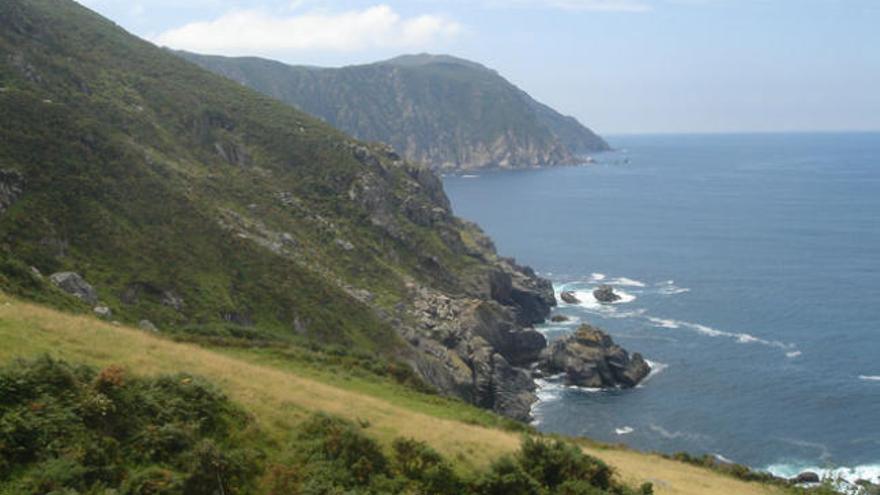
(445, 111)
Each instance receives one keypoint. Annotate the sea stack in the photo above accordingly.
(590, 358)
(606, 294)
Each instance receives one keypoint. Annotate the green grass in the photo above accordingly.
(279, 397)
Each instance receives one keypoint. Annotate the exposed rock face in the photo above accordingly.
(472, 348)
(519, 287)
(606, 294)
(589, 358)
(569, 297)
(103, 311)
(11, 185)
(74, 284)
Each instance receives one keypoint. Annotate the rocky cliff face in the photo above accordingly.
(449, 113)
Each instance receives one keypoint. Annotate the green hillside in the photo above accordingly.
(444, 111)
(200, 207)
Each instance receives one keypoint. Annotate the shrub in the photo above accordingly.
(552, 463)
(74, 428)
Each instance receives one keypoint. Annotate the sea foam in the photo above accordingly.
(850, 475)
(870, 378)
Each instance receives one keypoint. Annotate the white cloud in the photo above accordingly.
(262, 32)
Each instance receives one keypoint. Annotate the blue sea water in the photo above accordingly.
(751, 266)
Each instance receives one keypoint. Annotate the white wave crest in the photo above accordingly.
(870, 378)
(597, 277)
(626, 430)
(850, 475)
(626, 282)
(742, 338)
(656, 369)
(793, 354)
(470, 176)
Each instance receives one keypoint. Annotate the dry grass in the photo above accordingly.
(280, 399)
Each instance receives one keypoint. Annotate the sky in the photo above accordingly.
(619, 66)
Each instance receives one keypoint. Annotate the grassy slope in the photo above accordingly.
(279, 397)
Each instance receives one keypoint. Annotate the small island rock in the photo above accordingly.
(569, 297)
(606, 294)
(590, 358)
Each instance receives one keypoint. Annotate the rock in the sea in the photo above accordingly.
(589, 358)
(103, 311)
(74, 284)
(559, 318)
(569, 297)
(806, 477)
(148, 326)
(606, 294)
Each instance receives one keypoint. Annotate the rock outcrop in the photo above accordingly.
(590, 358)
(473, 348)
(606, 294)
(11, 184)
(806, 477)
(569, 297)
(74, 284)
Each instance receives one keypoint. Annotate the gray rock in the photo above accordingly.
(569, 297)
(806, 477)
(74, 284)
(606, 294)
(148, 326)
(559, 318)
(345, 245)
(11, 186)
(590, 358)
(103, 311)
(36, 272)
(170, 298)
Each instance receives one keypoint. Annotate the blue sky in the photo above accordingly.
(620, 66)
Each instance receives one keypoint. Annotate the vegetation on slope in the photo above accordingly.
(280, 400)
(210, 210)
(444, 111)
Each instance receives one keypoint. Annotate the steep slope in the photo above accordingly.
(279, 399)
(444, 111)
(190, 201)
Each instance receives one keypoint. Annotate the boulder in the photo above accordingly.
(590, 358)
(606, 294)
(103, 311)
(559, 318)
(569, 297)
(148, 326)
(806, 477)
(74, 284)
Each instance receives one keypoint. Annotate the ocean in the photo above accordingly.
(750, 266)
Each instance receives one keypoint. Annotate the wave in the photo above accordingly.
(793, 354)
(626, 282)
(742, 338)
(626, 430)
(850, 475)
(597, 277)
(470, 176)
(656, 369)
(870, 378)
(674, 435)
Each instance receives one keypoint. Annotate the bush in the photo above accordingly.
(552, 463)
(74, 428)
